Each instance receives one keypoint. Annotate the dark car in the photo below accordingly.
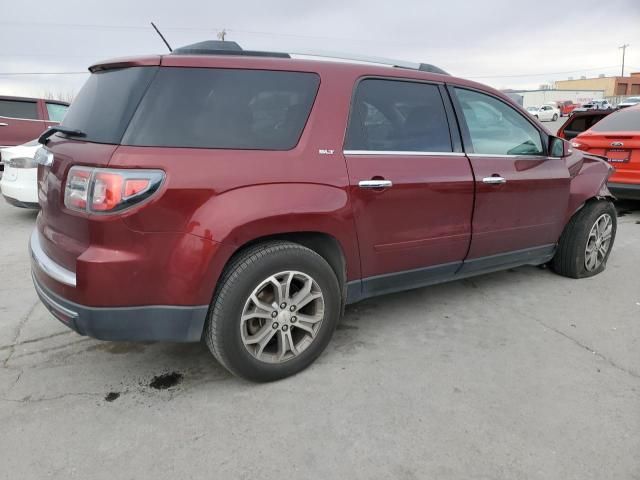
(580, 122)
(243, 198)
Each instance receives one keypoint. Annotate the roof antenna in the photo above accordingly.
(162, 37)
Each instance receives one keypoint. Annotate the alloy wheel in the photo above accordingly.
(282, 316)
(598, 242)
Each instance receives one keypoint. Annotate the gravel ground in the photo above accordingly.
(515, 375)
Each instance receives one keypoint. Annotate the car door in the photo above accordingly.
(546, 113)
(522, 194)
(411, 186)
(19, 121)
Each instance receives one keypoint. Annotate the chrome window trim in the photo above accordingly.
(403, 153)
(23, 119)
(495, 155)
(47, 265)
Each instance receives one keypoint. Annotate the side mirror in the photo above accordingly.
(559, 148)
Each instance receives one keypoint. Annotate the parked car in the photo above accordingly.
(594, 105)
(566, 107)
(544, 113)
(617, 137)
(245, 198)
(22, 119)
(581, 121)
(19, 183)
(629, 102)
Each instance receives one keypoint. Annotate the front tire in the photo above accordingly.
(587, 240)
(274, 311)
(555, 117)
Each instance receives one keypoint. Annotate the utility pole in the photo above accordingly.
(623, 48)
(222, 34)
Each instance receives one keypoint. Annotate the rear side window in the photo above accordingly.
(56, 111)
(496, 128)
(106, 102)
(620, 121)
(224, 108)
(19, 109)
(392, 115)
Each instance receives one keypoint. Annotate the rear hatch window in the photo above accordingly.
(106, 102)
(223, 108)
(621, 121)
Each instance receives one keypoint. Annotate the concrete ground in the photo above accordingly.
(515, 375)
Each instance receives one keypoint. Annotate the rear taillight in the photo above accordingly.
(22, 162)
(580, 146)
(106, 190)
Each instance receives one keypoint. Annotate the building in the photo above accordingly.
(535, 98)
(612, 86)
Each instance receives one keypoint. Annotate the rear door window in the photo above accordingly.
(224, 108)
(19, 109)
(496, 128)
(56, 111)
(401, 116)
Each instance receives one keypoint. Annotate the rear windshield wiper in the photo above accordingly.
(59, 128)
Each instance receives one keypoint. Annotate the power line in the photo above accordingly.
(11, 74)
(540, 74)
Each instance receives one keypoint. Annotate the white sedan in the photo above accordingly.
(19, 183)
(545, 112)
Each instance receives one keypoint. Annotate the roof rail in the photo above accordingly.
(217, 47)
(424, 67)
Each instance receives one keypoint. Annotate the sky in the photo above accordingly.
(503, 43)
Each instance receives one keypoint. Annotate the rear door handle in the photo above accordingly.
(375, 183)
(4, 124)
(494, 180)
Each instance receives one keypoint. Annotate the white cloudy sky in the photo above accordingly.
(505, 43)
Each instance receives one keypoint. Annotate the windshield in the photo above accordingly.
(621, 121)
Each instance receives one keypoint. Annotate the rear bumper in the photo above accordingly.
(157, 323)
(137, 323)
(19, 203)
(627, 191)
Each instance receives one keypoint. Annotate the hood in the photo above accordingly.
(20, 151)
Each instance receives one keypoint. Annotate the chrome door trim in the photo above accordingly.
(494, 180)
(403, 153)
(495, 155)
(375, 183)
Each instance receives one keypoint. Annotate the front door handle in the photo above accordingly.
(4, 124)
(375, 183)
(494, 180)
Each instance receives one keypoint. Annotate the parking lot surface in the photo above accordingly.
(515, 375)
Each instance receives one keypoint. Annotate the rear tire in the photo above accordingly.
(587, 240)
(261, 324)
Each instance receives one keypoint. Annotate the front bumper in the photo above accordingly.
(627, 191)
(138, 323)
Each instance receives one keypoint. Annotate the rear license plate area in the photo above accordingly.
(618, 155)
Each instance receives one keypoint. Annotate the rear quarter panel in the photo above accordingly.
(236, 196)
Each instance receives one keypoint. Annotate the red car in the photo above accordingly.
(617, 137)
(244, 198)
(23, 119)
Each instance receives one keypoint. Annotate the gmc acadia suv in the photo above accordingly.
(244, 198)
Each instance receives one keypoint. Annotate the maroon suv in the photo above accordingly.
(244, 198)
(23, 119)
